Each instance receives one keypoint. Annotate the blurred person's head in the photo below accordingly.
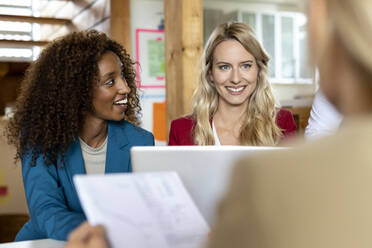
(340, 33)
(78, 75)
(235, 43)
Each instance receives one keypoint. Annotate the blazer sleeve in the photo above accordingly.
(173, 140)
(150, 141)
(46, 201)
(180, 132)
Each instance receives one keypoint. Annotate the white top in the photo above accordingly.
(324, 118)
(94, 158)
(215, 135)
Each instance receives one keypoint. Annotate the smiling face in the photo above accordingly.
(234, 73)
(110, 94)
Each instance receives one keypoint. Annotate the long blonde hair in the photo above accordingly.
(259, 127)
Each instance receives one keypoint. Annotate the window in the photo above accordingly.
(287, 44)
(19, 31)
(284, 37)
(250, 19)
(268, 40)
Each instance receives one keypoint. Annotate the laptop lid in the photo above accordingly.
(204, 170)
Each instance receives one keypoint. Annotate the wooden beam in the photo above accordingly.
(22, 43)
(183, 49)
(31, 19)
(120, 22)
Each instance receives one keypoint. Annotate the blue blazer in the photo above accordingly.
(52, 201)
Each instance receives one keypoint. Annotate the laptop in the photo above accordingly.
(204, 170)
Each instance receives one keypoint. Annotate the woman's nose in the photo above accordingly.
(235, 76)
(123, 86)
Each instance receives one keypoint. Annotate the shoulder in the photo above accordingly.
(284, 114)
(318, 153)
(132, 131)
(181, 131)
(183, 122)
(318, 168)
(345, 153)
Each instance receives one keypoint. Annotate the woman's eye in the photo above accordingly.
(246, 66)
(110, 82)
(224, 67)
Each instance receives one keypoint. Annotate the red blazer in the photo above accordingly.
(181, 129)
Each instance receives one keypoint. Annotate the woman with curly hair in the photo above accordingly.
(233, 103)
(76, 113)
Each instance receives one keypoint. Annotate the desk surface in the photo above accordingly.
(41, 243)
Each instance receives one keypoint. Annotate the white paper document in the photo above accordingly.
(142, 210)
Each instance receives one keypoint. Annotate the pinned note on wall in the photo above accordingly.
(150, 68)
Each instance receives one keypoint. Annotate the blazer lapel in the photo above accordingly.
(74, 160)
(117, 154)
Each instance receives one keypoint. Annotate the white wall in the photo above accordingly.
(294, 95)
(146, 14)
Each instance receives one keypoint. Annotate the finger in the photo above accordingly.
(98, 230)
(97, 237)
(80, 233)
(98, 241)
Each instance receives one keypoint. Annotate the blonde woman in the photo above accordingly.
(233, 103)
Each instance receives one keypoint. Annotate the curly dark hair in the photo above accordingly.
(56, 93)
